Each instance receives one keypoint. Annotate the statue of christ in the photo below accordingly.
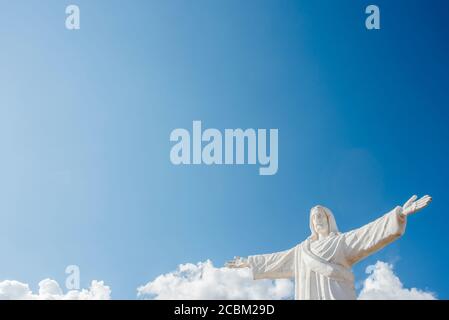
(321, 265)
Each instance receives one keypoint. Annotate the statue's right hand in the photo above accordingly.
(237, 262)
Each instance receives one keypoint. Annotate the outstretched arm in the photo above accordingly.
(372, 237)
(268, 266)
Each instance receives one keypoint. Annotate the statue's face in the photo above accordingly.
(320, 222)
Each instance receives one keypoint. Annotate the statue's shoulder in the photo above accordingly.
(303, 243)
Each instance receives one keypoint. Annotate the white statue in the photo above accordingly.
(321, 265)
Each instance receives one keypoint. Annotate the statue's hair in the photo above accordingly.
(332, 224)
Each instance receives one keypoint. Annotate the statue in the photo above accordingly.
(321, 265)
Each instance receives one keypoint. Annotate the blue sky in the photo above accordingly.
(85, 119)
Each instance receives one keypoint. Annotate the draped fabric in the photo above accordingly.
(322, 267)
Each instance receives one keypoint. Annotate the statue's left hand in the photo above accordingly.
(412, 205)
(237, 262)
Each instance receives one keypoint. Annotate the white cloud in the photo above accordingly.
(50, 290)
(383, 284)
(204, 281)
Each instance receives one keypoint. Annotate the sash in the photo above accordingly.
(323, 267)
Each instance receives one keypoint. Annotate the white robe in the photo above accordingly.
(322, 268)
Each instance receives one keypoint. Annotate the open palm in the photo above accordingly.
(412, 205)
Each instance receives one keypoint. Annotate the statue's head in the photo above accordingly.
(322, 222)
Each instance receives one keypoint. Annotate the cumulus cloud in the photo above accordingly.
(204, 281)
(50, 290)
(383, 284)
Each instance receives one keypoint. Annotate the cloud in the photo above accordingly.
(50, 290)
(383, 284)
(204, 281)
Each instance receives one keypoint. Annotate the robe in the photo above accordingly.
(322, 268)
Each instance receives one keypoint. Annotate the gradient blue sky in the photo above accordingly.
(85, 118)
